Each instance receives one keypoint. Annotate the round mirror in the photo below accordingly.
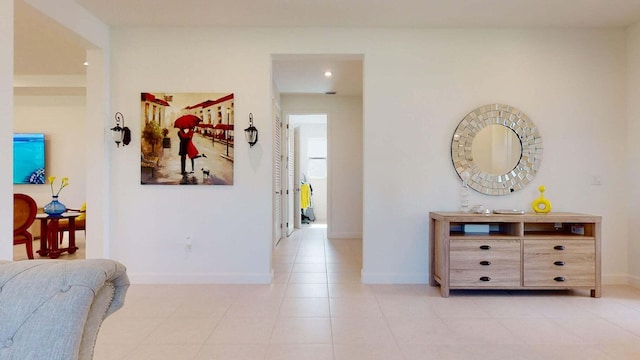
(497, 148)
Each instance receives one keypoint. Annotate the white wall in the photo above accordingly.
(62, 120)
(344, 131)
(418, 84)
(570, 83)
(229, 226)
(6, 127)
(633, 159)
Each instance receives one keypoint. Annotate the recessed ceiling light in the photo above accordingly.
(328, 73)
(86, 63)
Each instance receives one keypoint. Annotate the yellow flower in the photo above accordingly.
(63, 184)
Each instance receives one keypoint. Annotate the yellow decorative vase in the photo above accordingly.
(541, 205)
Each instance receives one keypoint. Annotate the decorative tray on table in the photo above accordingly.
(508, 211)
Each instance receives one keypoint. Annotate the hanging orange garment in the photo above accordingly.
(305, 196)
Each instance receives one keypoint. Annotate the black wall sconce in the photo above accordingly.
(251, 133)
(120, 134)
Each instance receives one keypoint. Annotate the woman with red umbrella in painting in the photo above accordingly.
(186, 124)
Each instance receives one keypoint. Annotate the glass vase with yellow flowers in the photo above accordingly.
(55, 207)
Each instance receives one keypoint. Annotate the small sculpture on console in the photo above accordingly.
(541, 205)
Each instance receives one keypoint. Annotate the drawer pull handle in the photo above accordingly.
(558, 247)
(485, 247)
(485, 263)
(485, 278)
(559, 278)
(559, 263)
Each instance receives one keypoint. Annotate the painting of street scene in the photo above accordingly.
(187, 138)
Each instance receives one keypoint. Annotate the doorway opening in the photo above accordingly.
(310, 158)
(302, 88)
(54, 102)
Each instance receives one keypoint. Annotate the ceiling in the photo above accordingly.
(43, 47)
(367, 13)
(306, 74)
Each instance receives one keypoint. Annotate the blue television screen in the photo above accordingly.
(28, 158)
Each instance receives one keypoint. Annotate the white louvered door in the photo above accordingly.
(291, 183)
(277, 173)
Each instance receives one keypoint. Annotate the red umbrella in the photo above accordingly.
(186, 122)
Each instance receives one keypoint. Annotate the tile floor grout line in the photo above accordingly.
(326, 274)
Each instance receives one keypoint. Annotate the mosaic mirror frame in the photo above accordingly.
(530, 157)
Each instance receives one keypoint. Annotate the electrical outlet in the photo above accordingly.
(187, 244)
(595, 180)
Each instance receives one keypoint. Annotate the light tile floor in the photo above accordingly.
(317, 309)
(20, 251)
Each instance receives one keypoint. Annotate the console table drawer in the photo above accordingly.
(484, 263)
(483, 254)
(504, 276)
(560, 278)
(559, 263)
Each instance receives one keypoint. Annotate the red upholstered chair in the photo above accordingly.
(24, 213)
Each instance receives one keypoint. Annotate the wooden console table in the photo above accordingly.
(50, 232)
(530, 251)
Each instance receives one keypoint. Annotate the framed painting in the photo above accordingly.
(28, 158)
(186, 138)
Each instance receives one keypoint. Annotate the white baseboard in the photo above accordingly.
(367, 278)
(345, 235)
(634, 281)
(258, 278)
(615, 279)
(394, 278)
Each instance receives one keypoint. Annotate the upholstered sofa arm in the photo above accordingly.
(53, 309)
